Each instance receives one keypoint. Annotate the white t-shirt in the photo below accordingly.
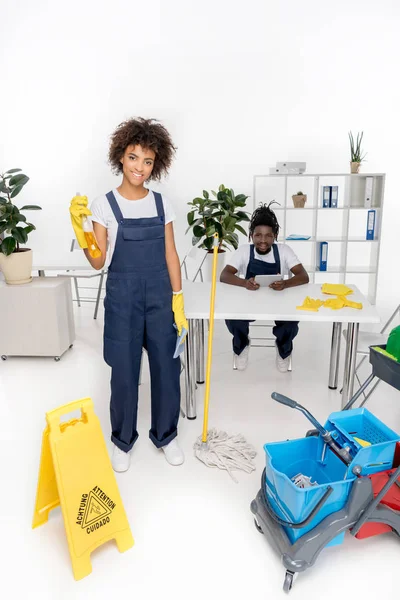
(131, 209)
(241, 257)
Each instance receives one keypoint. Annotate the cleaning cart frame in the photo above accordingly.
(352, 481)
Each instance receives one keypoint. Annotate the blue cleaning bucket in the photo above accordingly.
(285, 460)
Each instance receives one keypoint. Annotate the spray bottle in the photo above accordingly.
(92, 245)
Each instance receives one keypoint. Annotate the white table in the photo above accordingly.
(38, 318)
(233, 302)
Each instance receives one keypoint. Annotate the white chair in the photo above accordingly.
(192, 264)
(76, 275)
(268, 339)
(367, 339)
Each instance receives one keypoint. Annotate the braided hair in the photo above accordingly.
(263, 215)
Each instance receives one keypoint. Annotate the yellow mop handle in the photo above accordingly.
(210, 339)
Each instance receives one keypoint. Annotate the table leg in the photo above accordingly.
(199, 351)
(335, 355)
(190, 375)
(350, 362)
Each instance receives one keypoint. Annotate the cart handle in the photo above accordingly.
(293, 404)
(343, 453)
(303, 523)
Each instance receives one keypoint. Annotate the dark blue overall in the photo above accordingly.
(284, 331)
(138, 313)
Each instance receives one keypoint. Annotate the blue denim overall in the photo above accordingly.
(138, 313)
(284, 331)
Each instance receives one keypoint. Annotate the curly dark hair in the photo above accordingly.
(149, 134)
(263, 215)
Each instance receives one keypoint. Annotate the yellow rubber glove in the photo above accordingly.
(336, 289)
(179, 312)
(310, 304)
(351, 304)
(335, 303)
(77, 210)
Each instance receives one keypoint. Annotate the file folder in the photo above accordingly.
(326, 195)
(334, 196)
(323, 256)
(371, 224)
(369, 182)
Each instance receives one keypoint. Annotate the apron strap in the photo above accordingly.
(159, 204)
(114, 207)
(277, 258)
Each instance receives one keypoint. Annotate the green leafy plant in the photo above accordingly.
(10, 216)
(355, 148)
(300, 194)
(220, 214)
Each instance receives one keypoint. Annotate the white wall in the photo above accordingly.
(240, 85)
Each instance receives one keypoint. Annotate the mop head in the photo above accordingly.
(231, 453)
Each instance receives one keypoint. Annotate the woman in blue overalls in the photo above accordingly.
(263, 257)
(144, 288)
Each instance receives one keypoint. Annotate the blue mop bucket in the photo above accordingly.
(285, 460)
(345, 425)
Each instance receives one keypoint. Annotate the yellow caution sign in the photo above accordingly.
(75, 472)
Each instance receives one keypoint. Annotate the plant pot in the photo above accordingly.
(208, 265)
(17, 268)
(355, 167)
(299, 200)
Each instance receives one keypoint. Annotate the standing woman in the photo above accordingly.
(144, 286)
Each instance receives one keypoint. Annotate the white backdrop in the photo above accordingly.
(239, 85)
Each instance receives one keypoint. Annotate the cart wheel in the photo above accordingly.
(257, 526)
(4, 357)
(287, 584)
(57, 358)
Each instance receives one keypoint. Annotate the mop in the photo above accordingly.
(214, 448)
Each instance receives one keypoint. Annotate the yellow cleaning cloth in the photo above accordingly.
(362, 443)
(314, 304)
(334, 303)
(350, 303)
(336, 289)
(310, 304)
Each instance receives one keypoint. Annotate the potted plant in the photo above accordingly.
(15, 262)
(356, 152)
(219, 213)
(299, 199)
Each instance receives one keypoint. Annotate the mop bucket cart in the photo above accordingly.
(353, 483)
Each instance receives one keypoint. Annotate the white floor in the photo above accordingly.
(193, 529)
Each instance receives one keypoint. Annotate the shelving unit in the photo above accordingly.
(351, 257)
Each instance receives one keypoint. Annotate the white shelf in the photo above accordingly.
(342, 269)
(345, 225)
(322, 175)
(333, 239)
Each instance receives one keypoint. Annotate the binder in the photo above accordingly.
(323, 256)
(371, 224)
(334, 196)
(326, 196)
(369, 182)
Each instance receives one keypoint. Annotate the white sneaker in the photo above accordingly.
(241, 360)
(120, 460)
(282, 364)
(173, 453)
